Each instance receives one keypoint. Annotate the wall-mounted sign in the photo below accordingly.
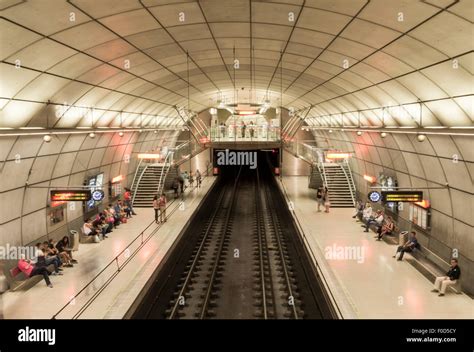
(374, 196)
(420, 216)
(71, 195)
(402, 196)
(98, 195)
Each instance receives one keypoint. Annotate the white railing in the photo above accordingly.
(135, 176)
(134, 193)
(348, 178)
(164, 172)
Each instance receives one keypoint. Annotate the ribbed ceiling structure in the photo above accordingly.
(131, 62)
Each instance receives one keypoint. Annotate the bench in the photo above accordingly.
(16, 279)
(431, 266)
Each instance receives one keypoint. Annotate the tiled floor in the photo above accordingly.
(372, 285)
(113, 301)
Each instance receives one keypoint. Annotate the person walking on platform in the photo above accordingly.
(191, 179)
(198, 178)
(162, 206)
(319, 197)
(327, 203)
(451, 278)
(175, 187)
(156, 207)
(251, 129)
(243, 129)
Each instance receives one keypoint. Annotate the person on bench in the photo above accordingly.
(63, 246)
(30, 270)
(411, 244)
(386, 229)
(377, 220)
(359, 209)
(42, 260)
(451, 278)
(50, 250)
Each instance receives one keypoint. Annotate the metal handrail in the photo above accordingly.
(138, 183)
(352, 180)
(349, 182)
(323, 174)
(115, 261)
(164, 170)
(136, 172)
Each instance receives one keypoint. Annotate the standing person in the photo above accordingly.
(175, 187)
(243, 129)
(127, 197)
(319, 197)
(181, 182)
(191, 179)
(451, 278)
(198, 178)
(156, 207)
(162, 206)
(251, 129)
(327, 203)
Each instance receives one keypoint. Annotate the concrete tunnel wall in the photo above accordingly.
(66, 161)
(431, 163)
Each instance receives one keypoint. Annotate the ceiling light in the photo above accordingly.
(330, 131)
(383, 134)
(359, 133)
(92, 135)
(121, 134)
(421, 137)
(47, 138)
(155, 131)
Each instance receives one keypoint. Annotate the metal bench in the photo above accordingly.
(431, 266)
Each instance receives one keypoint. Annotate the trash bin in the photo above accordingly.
(74, 238)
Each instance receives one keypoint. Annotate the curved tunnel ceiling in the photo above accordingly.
(128, 60)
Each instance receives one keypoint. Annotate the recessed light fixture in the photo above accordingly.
(421, 137)
(330, 131)
(47, 138)
(359, 133)
(155, 131)
(92, 135)
(383, 134)
(121, 134)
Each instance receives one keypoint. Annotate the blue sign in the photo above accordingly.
(375, 196)
(98, 195)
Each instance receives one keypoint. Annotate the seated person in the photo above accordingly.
(377, 220)
(64, 246)
(359, 210)
(411, 244)
(451, 278)
(386, 229)
(88, 228)
(109, 219)
(65, 259)
(42, 260)
(30, 270)
(100, 224)
(114, 214)
(367, 213)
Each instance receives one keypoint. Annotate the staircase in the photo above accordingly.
(146, 186)
(340, 185)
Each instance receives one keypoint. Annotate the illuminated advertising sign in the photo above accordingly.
(70, 195)
(402, 196)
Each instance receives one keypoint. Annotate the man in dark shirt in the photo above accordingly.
(451, 278)
(411, 244)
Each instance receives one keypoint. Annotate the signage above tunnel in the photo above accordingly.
(70, 195)
(402, 196)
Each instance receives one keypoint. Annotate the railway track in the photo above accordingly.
(240, 261)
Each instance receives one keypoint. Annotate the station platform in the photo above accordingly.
(373, 285)
(97, 300)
